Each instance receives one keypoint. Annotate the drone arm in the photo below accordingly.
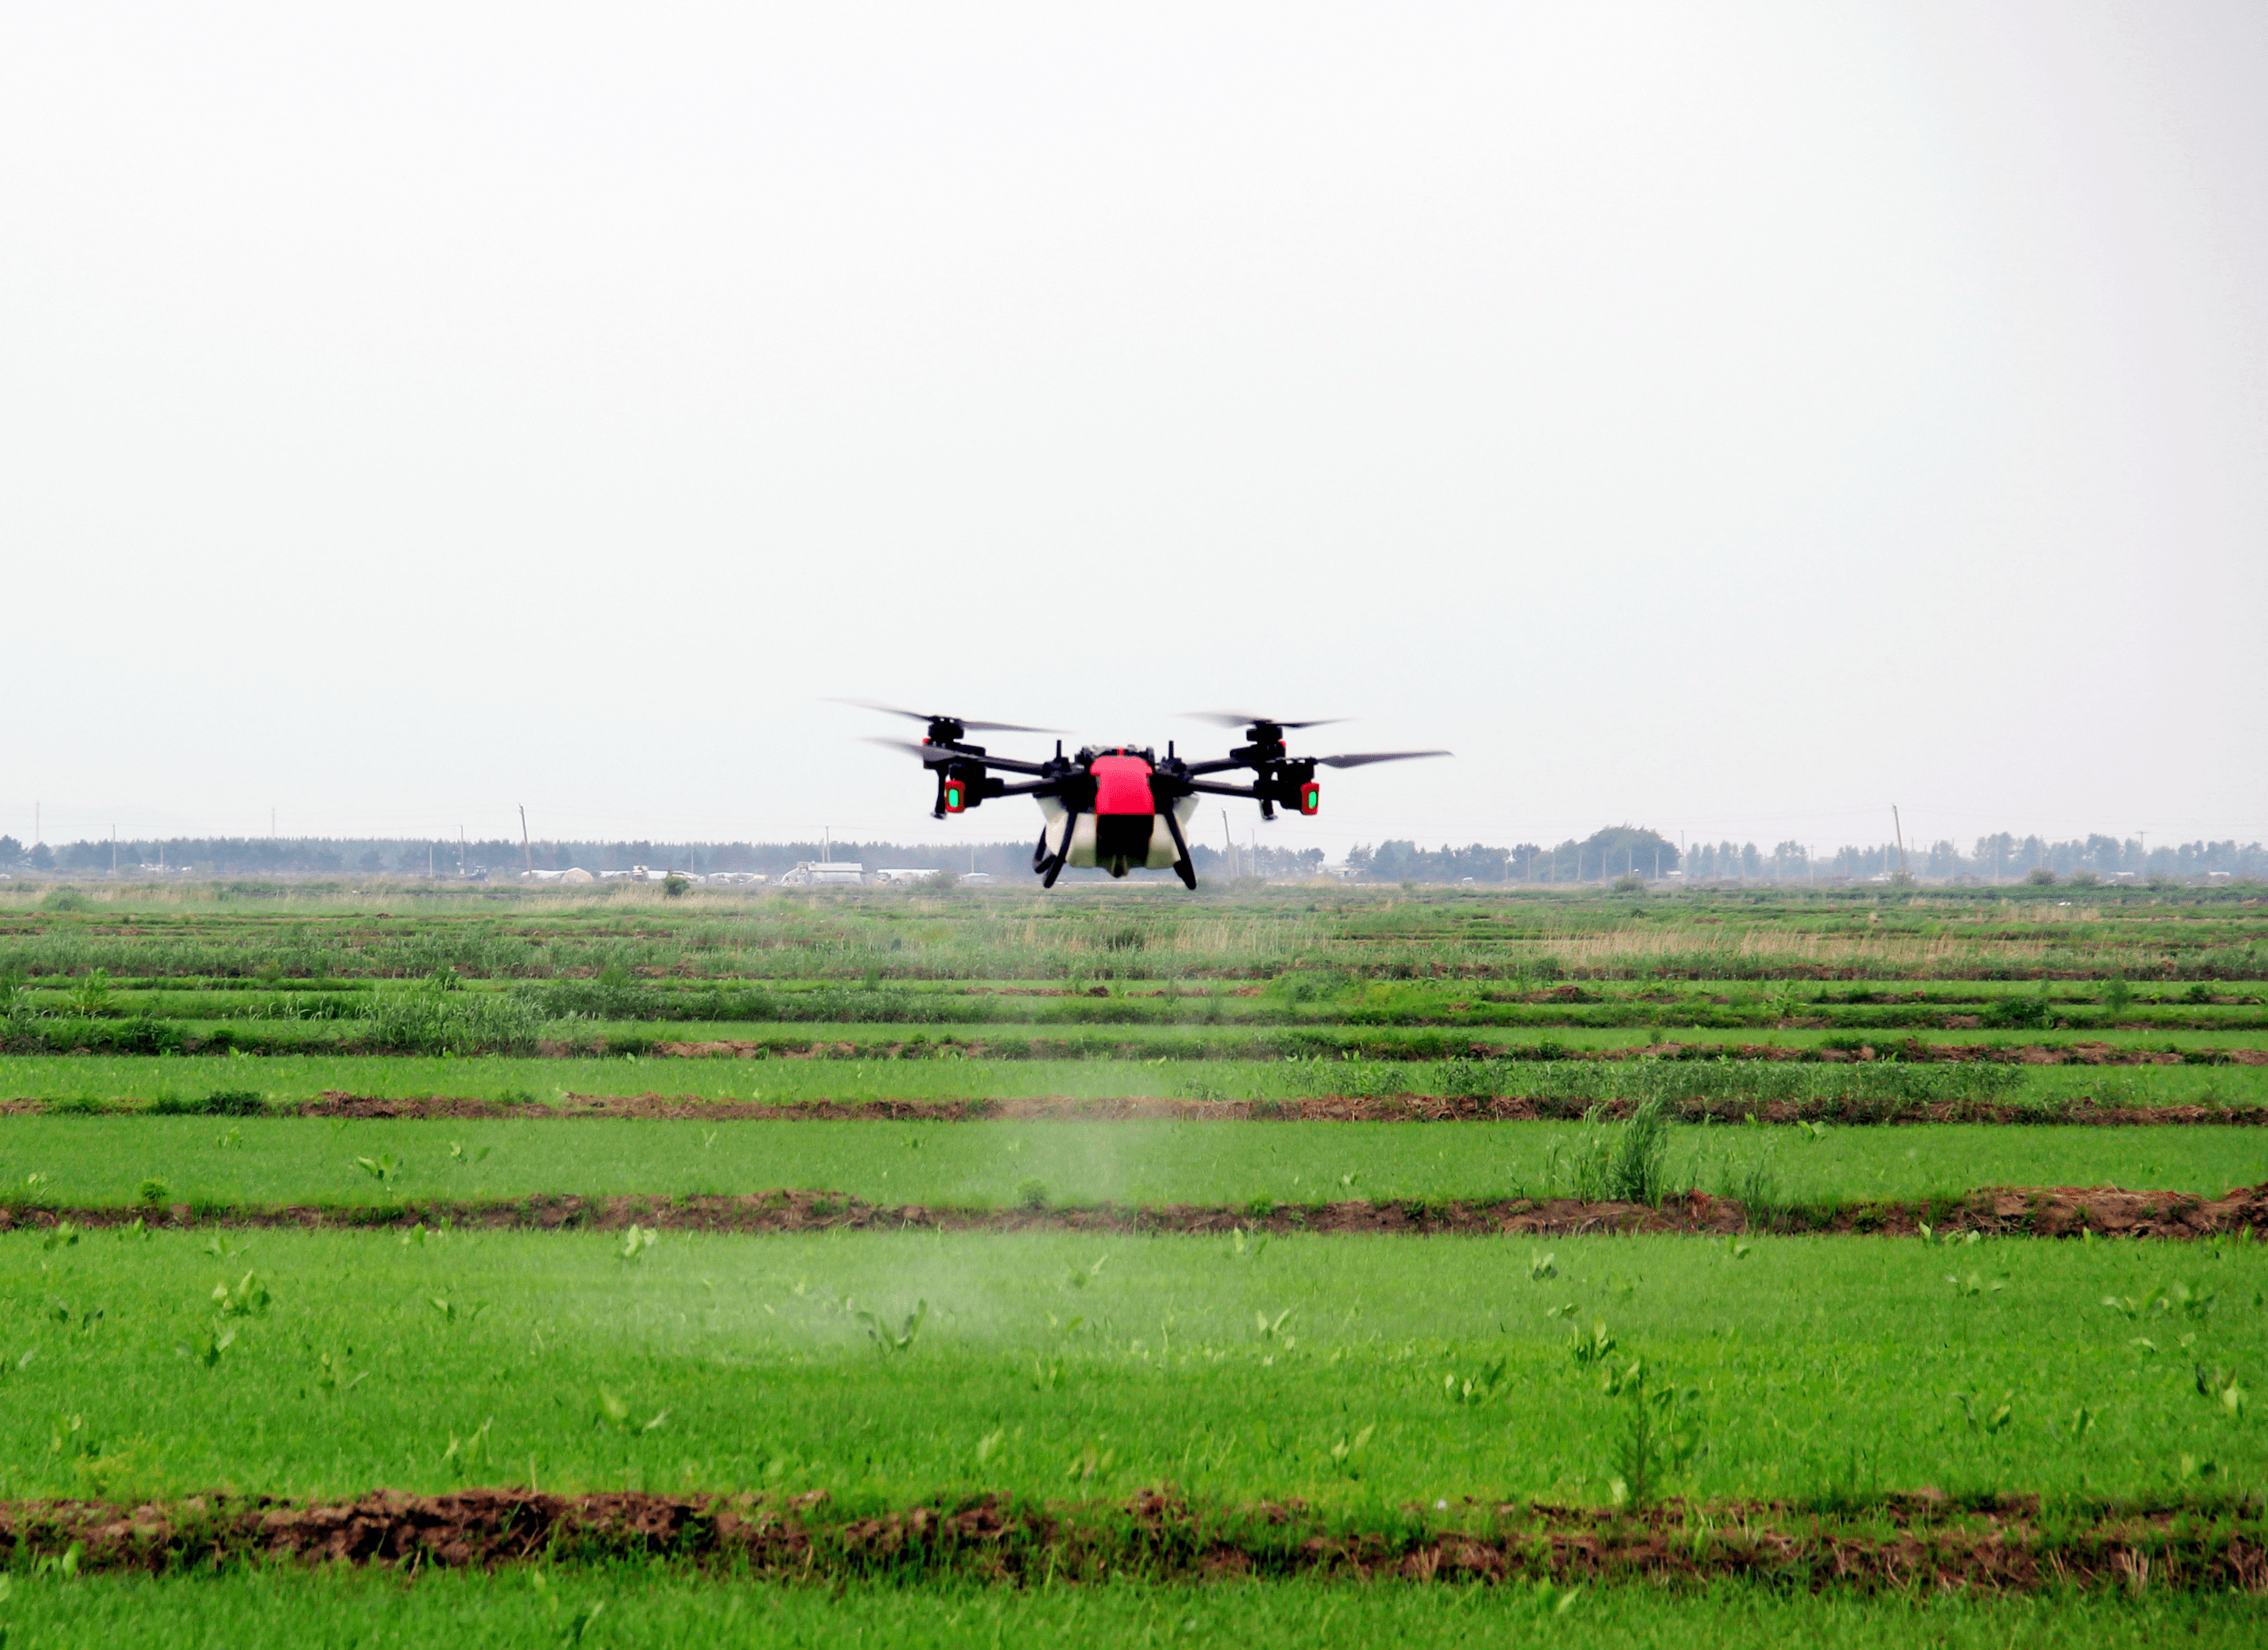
(1006, 764)
(1214, 789)
(1220, 767)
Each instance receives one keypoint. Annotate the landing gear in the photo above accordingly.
(1049, 866)
(1182, 868)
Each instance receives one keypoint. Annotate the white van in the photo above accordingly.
(825, 873)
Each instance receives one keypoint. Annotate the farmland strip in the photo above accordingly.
(1919, 1540)
(2072, 1212)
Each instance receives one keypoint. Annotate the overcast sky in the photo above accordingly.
(1729, 419)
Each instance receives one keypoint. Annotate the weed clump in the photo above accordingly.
(439, 1017)
(1620, 1162)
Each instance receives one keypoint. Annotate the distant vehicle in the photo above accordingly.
(825, 873)
(902, 877)
(976, 879)
(736, 878)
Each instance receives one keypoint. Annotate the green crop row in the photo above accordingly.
(98, 996)
(1357, 1374)
(1858, 1090)
(1365, 935)
(224, 1162)
(424, 1023)
(662, 1608)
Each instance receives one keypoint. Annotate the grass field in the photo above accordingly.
(285, 1080)
(102, 1161)
(1367, 1381)
(656, 1608)
(1331, 1369)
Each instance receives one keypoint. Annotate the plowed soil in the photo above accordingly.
(1922, 1539)
(1315, 1109)
(2040, 1211)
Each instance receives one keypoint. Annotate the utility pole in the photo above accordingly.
(1901, 829)
(1228, 837)
(114, 847)
(526, 852)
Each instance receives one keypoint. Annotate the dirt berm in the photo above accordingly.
(1316, 1109)
(2014, 1211)
(1924, 1539)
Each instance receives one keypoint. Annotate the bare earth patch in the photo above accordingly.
(2013, 1211)
(1999, 1544)
(1313, 1109)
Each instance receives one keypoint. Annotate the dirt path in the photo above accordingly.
(2008, 1211)
(1321, 1108)
(1921, 1539)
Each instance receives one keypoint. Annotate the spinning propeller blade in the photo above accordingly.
(928, 753)
(1364, 757)
(966, 722)
(1237, 719)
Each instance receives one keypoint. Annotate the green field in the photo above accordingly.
(1819, 1366)
(128, 1081)
(646, 1606)
(102, 1161)
(1373, 1383)
(642, 1606)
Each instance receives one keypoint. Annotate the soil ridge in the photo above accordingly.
(2064, 1211)
(2000, 1544)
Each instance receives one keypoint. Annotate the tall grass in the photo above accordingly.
(427, 1019)
(1625, 1162)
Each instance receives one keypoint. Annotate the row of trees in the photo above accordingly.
(1604, 855)
(2000, 858)
(276, 856)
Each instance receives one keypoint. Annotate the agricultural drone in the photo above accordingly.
(1120, 806)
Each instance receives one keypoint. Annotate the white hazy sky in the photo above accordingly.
(1732, 419)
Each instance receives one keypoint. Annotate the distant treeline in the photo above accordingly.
(1603, 856)
(1625, 850)
(338, 856)
(1999, 858)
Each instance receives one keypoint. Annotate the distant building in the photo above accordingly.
(825, 873)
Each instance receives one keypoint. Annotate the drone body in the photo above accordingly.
(1119, 808)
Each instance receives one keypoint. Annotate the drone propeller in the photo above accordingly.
(1237, 719)
(959, 721)
(928, 753)
(1363, 758)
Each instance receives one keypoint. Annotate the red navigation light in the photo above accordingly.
(1310, 797)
